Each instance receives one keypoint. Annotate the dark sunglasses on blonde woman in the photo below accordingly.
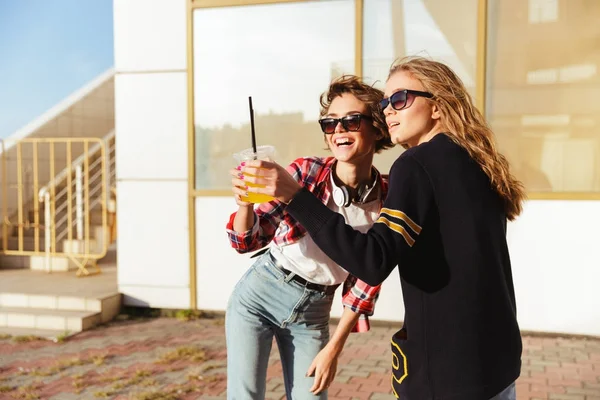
(403, 99)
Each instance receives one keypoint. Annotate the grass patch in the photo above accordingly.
(149, 382)
(142, 373)
(140, 377)
(173, 393)
(28, 392)
(119, 385)
(4, 336)
(155, 396)
(109, 378)
(26, 339)
(104, 394)
(27, 396)
(79, 384)
(197, 374)
(188, 315)
(41, 372)
(100, 359)
(183, 353)
(5, 389)
(60, 366)
(62, 337)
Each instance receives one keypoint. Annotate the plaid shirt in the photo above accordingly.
(274, 224)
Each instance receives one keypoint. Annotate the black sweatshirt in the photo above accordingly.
(445, 227)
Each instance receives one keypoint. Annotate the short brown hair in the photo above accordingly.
(369, 95)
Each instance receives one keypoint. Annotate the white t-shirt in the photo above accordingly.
(307, 260)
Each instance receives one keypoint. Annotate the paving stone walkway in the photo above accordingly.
(167, 359)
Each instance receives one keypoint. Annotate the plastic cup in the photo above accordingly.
(265, 152)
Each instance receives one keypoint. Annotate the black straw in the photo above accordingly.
(252, 126)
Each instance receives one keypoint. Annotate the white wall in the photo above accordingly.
(151, 129)
(555, 253)
(555, 258)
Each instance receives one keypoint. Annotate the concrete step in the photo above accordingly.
(28, 243)
(96, 233)
(107, 305)
(12, 262)
(95, 219)
(39, 318)
(37, 263)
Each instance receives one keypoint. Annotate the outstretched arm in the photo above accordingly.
(373, 255)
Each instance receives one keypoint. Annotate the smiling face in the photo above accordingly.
(418, 121)
(348, 146)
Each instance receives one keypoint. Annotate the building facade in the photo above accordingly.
(184, 70)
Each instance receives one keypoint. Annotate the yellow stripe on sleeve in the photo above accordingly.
(397, 228)
(400, 215)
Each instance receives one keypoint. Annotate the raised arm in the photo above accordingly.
(373, 255)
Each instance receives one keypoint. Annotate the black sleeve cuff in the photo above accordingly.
(309, 211)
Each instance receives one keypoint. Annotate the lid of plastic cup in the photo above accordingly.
(264, 150)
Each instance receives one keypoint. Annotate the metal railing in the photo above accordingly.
(62, 214)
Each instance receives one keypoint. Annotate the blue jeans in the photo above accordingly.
(265, 304)
(510, 393)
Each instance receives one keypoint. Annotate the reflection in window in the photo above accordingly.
(443, 30)
(543, 11)
(570, 73)
(542, 94)
(284, 56)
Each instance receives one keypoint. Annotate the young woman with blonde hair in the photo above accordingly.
(444, 225)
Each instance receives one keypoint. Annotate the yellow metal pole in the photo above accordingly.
(36, 203)
(52, 221)
(358, 39)
(69, 193)
(104, 201)
(4, 199)
(20, 195)
(191, 155)
(86, 189)
(481, 80)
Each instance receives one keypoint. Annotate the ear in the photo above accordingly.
(435, 112)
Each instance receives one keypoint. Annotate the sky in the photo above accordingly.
(48, 50)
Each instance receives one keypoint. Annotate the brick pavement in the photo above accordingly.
(165, 358)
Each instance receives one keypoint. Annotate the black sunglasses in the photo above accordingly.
(351, 123)
(403, 99)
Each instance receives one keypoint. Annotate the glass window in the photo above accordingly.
(284, 56)
(443, 30)
(542, 94)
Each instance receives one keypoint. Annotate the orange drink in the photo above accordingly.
(262, 153)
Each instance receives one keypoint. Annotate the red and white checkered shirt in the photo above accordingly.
(274, 224)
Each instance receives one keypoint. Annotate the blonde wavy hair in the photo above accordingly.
(465, 125)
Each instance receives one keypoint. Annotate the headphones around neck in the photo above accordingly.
(341, 194)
